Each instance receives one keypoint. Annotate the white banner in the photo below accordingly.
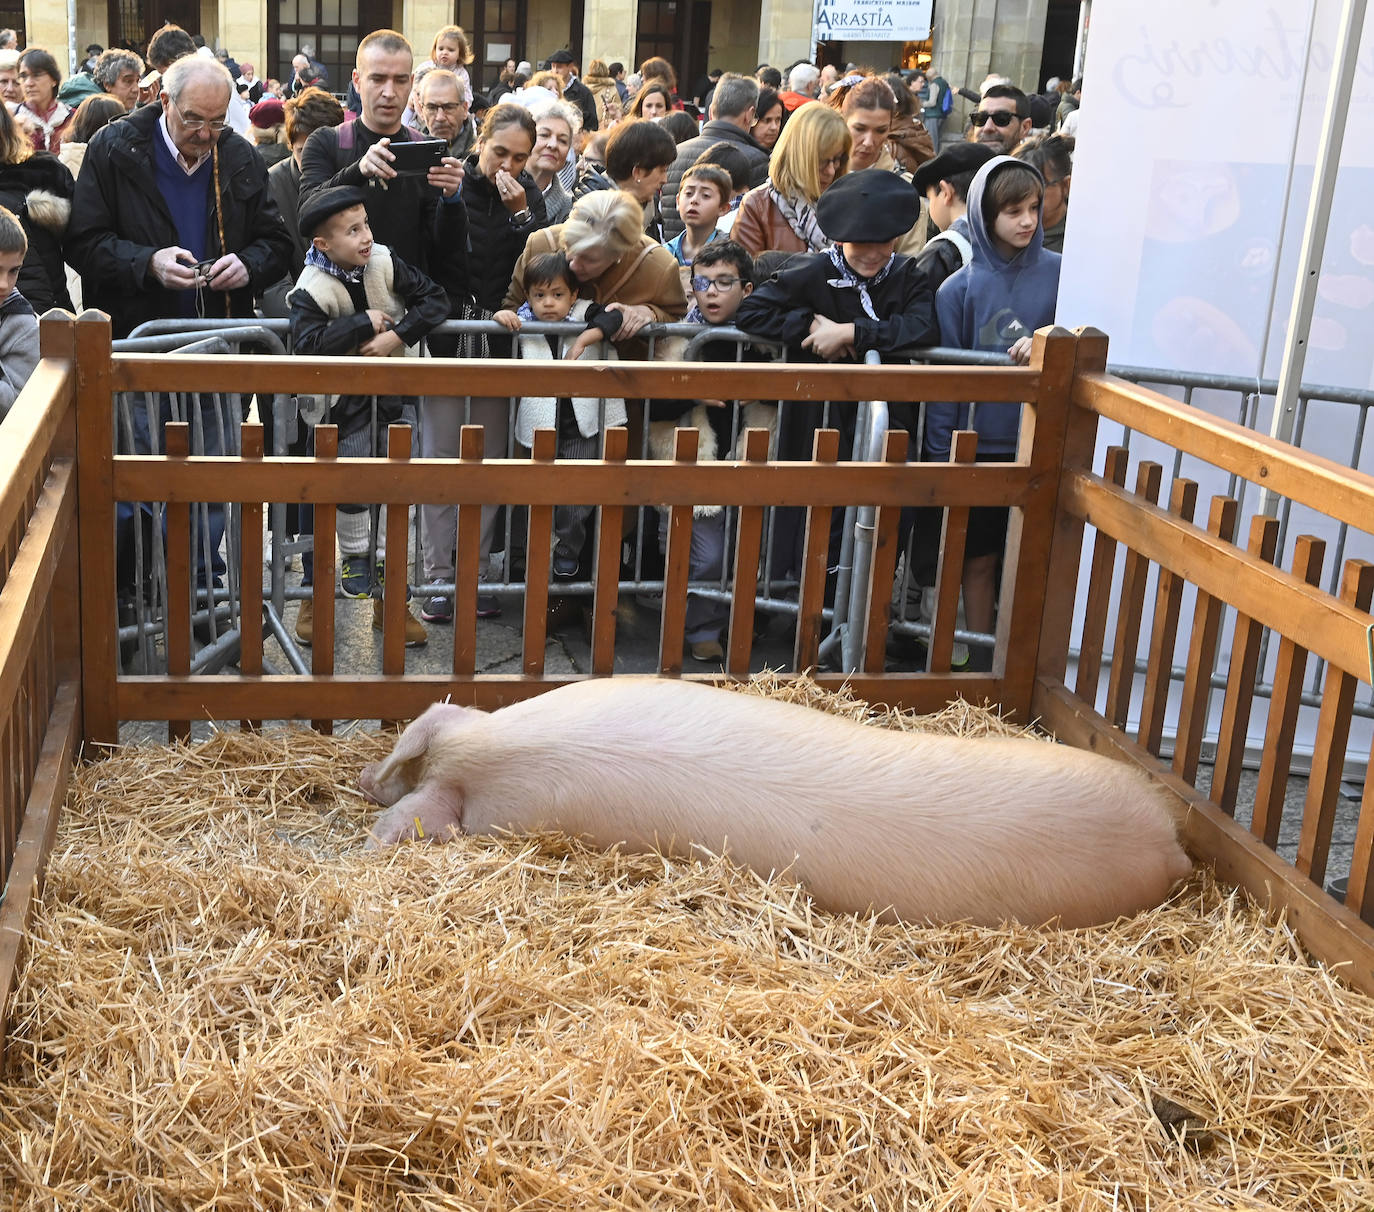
(1191, 182)
(871, 20)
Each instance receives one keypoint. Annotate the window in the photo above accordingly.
(496, 30)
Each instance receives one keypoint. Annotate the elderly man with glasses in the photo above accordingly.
(443, 104)
(173, 217)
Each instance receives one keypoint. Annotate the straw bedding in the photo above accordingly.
(228, 1004)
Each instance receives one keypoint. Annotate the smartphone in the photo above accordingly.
(415, 157)
(202, 268)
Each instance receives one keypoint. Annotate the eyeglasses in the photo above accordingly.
(707, 285)
(833, 162)
(1000, 118)
(193, 124)
(443, 109)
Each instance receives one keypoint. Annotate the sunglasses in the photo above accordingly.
(1000, 118)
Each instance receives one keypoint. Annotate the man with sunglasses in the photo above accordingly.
(1002, 118)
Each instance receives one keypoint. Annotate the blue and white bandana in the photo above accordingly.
(314, 257)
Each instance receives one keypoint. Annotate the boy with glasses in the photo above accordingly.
(722, 278)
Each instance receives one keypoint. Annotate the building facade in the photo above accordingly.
(1025, 39)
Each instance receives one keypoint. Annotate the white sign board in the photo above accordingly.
(1190, 189)
(872, 20)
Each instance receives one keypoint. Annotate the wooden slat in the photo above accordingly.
(1329, 487)
(398, 442)
(250, 577)
(1240, 681)
(32, 573)
(625, 380)
(1131, 608)
(1164, 630)
(815, 553)
(1333, 734)
(590, 481)
(1330, 931)
(1030, 529)
(1098, 605)
(748, 541)
(466, 574)
(950, 573)
(1359, 895)
(95, 443)
(606, 603)
(36, 837)
(325, 570)
(673, 621)
(884, 566)
(33, 423)
(539, 550)
(1202, 654)
(1066, 546)
(1286, 698)
(177, 441)
(288, 697)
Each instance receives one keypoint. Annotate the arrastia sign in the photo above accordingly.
(872, 20)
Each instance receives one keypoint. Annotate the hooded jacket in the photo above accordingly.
(988, 305)
(18, 348)
(39, 192)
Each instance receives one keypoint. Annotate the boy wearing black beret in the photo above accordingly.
(355, 296)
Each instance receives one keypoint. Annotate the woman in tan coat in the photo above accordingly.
(616, 263)
(812, 151)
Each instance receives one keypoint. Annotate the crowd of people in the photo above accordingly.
(817, 208)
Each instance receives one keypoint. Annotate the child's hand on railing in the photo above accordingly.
(1020, 353)
(829, 340)
(380, 320)
(507, 319)
(381, 345)
(585, 341)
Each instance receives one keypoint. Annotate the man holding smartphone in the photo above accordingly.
(421, 218)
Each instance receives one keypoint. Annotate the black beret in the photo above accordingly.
(325, 204)
(961, 158)
(561, 56)
(868, 207)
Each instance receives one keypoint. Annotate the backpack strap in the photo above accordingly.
(348, 135)
(960, 241)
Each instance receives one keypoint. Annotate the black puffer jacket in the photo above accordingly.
(496, 242)
(39, 192)
(119, 220)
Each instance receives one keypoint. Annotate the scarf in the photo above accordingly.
(848, 278)
(314, 257)
(56, 116)
(802, 220)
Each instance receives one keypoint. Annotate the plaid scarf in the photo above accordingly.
(314, 257)
(848, 278)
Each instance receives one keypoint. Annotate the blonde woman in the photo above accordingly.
(811, 153)
(615, 262)
(601, 84)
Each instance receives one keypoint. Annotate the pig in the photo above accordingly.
(914, 827)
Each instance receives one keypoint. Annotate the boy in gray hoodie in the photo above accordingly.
(18, 325)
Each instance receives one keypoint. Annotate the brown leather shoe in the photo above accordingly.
(416, 635)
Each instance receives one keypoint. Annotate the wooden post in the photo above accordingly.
(96, 514)
(1030, 530)
(1164, 630)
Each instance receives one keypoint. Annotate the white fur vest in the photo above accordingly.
(753, 415)
(332, 297)
(541, 412)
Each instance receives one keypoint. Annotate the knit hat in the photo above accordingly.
(867, 207)
(320, 207)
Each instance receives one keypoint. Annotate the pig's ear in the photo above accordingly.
(413, 743)
(430, 813)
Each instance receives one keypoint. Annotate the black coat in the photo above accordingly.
(783, 307)
(498, 241)
(717, 130)
(408, 216)
(578, 94)
(39, 191)
(119, 220)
